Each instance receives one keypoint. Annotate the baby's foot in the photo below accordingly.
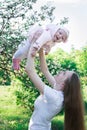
(16, 64)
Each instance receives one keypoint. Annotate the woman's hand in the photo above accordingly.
(34, 52)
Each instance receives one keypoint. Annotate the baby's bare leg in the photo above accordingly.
(20, 54)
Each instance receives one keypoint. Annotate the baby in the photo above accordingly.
(39, 37)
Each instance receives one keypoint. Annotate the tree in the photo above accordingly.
(81, 60)
(16, 17)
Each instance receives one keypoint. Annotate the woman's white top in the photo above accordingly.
(46, 107)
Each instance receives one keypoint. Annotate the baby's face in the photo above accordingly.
(60, 36)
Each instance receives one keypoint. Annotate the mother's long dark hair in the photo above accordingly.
(73, 104)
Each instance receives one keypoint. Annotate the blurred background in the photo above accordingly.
(17, 93)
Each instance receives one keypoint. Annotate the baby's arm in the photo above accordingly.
(41, 41)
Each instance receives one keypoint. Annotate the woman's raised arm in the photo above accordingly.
(44, 68)
(30, 69)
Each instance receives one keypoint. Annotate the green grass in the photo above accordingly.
(12, 117)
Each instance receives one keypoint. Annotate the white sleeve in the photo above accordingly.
(45, 37)
(53, 95)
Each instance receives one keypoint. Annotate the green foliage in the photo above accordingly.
(12, 116)
(26, 97)
(16, 17)
(84, 91)
(64, 21)
(25, 94)
(63, 61)
(81, 60)
(58, 123)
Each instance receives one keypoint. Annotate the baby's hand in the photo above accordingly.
(47, 49)
(34, 51)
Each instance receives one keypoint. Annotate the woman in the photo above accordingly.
(65, 92)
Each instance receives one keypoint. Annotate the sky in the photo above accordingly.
(76, 11)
